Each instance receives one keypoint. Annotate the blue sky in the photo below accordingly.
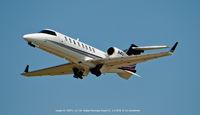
(168, 85)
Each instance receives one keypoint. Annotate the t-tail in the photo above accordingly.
(136, 50)
(132, 51)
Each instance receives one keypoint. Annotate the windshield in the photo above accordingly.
(48, 32)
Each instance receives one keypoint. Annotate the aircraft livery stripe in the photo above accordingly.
(76, 50)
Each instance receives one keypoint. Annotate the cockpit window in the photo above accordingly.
(48, 32)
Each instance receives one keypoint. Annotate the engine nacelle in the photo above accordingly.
(115, 52)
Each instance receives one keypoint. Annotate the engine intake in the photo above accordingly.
(115, 52)
(110, 51)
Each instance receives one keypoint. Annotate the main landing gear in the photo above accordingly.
(96, 71)
(77, 73)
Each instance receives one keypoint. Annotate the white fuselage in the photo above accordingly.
(65, 47)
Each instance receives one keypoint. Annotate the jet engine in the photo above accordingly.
(115, 52)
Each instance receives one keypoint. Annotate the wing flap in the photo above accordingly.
(56, 70)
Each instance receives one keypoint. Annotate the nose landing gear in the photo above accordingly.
(31, 44)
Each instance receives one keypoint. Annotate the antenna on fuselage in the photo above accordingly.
(77, 39)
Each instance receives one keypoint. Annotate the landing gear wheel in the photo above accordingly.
(96, 71)
(75, 76)
(80, 77)
(77, 73)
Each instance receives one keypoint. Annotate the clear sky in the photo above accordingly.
(169, 86)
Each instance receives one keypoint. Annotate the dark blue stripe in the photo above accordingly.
(76, 50)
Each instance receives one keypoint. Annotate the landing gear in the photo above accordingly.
(77, 73)
(96, 71)
(31, 44)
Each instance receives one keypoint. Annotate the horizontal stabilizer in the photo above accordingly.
(149, 47)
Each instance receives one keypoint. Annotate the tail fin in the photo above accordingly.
(132, 51)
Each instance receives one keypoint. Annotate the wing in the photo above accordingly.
(116, 62)
(129, 60)
(56, 70)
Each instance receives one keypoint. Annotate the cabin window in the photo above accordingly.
(74, 42)
(86, 47)
(78, 44)
(83, 45)
(90, 48)
(70, 40)
(65, 38)
(93, 50)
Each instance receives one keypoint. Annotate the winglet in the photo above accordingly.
(173, 48)
(27, 68)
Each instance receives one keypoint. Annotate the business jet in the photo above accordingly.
(84, 59)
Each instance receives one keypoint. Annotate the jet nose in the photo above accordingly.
(31, 37)
(27, 37)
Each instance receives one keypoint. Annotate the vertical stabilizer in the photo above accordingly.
(132, 51)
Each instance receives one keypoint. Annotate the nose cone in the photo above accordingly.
(31, 37)
(27, 37)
